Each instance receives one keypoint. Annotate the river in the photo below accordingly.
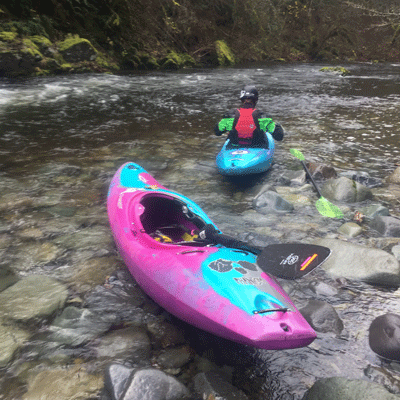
(164, 121)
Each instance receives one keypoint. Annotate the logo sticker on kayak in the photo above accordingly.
(222, 265)
(240, 152)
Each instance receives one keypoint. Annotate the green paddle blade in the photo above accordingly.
(327, 209)
(297, 153)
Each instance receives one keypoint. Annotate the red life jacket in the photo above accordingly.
(245, 125)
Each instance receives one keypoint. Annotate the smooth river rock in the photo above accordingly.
(36, 296)
(358, 262)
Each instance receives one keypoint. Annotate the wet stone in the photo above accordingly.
(212, 385)
(396, 251)
(346, 190)
(384, 336)
(350, 229)
(175, 358)
(382, 376)
(271, 202)
(119, 300)
(36, 296)
(93, 272)
(322, 317)
(131, 344)
(63, 384)
(11, 338)
(165, 334)
(353, 261)
(375, 210)
(153, 384)
(29, 255)
(76, 326)
(395, 176)
(346, 389)
(386, 225)
(7, 277)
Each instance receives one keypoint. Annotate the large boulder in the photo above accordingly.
(358, 262)
(346, 190)
(75, 49)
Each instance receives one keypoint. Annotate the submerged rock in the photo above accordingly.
(63, 384)
(395, 176)
(36, 296)
(271, 202)
(76, 326)
(122, 383)
(346, 389)
(211, 385)
(11, 338)
(322, 317)
(386, 225)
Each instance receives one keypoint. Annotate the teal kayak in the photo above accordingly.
(236, 160)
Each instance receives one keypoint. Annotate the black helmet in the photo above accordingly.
(249, 92)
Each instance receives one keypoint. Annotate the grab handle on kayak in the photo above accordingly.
(269, 310)
(191, 251)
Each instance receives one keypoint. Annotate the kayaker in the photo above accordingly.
(247, 125)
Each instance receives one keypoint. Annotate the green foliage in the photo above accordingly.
(224, 53)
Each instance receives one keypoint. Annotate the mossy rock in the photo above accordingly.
(41, 41)
(8, 36)
(31, 48)
(224, 53)
(147, 61)
(45, 46)
(337, 70)
(105, 63)
(23, 27)
(75, 49)
(177, 61)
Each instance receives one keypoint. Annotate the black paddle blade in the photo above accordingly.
(291, 260)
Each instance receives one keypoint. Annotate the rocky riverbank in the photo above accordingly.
(76, 325)
(36, 55)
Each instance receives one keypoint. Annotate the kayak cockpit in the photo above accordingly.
(167, 219)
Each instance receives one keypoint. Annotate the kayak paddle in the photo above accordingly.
(325, 207)
(287, 260)
(292, 260)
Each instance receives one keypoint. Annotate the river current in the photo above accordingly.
(165, 121)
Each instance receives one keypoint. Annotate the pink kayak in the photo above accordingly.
(218, 289)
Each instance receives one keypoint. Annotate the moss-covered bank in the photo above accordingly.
(62, 36)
